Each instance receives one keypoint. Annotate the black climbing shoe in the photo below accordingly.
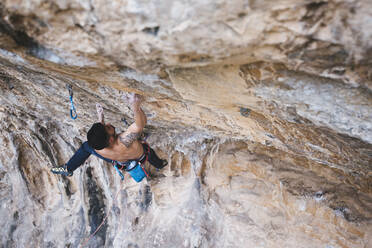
(165, 163)
(62, 170)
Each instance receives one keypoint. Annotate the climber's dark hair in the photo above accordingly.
(97, 136)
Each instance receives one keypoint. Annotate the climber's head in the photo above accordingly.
(101, 135)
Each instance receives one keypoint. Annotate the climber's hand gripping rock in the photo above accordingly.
(100, 113)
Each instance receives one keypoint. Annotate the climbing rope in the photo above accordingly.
(147, 158)
(73, 113)
(122, 178)
(103, 221)
(144, 170)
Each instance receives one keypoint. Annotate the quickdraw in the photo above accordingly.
(117, 169)
(73, 113)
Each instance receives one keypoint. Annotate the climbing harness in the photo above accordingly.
(103, 221)
(73, 113)
(134, 167)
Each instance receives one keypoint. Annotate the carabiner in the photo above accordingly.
(69, 88)
(120, 174)
(73, 113)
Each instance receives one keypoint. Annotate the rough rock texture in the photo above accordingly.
(263, 110)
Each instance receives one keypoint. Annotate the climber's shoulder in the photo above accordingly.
(131, 135)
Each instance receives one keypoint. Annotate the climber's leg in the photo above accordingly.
(153, 158)
(75, 161)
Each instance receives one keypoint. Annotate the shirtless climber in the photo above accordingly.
(119, 149)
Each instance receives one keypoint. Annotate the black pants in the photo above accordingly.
(152, 157)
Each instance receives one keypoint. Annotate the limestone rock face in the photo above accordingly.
(263, 110)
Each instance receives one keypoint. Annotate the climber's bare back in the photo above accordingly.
(124, 146)
(120, 152)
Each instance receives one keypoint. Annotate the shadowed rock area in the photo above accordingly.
(263, 111)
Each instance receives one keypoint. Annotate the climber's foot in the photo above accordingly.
(165, 163)
(61, 170)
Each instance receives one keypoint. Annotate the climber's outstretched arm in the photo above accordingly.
(100, 115)
(134, 131)
(140, 119)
